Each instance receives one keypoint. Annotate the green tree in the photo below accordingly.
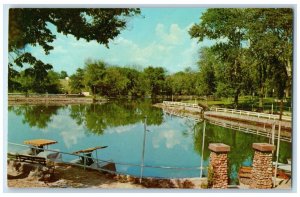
(77, 81)
(227, 28)
(155, 77)
(63, 74)
(115, 82)
(207, 80)
(270, 34)
(94, 75)
(30, 26)
(53, 84)
(135, 85)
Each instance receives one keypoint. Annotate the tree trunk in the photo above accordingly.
(281, 109)
(236, 99)
(261, 97)
(289, 74)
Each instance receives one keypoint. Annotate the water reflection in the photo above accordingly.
(172, 141)
(96, 118)
(36, 116)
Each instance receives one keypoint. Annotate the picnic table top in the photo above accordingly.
(40, 142)
(88, 150)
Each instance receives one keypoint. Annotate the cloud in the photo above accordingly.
(174, 36)
(71, 133)
(121, 129)
(170, 137)
(169, 46)
(71, 137)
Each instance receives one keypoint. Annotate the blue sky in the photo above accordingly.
(158, 38)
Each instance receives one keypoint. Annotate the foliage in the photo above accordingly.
(155, 77)
(77, 81)
(252, 51)
(207, 79)
(31, 26)
(63, 74)
(32, 82)
(94, 73)
(270, 33)
(182, 83)
(114, 82)
(210, 176)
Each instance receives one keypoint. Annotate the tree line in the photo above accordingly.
(101, 78)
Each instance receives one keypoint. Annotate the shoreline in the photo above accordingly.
(53, 100)
(69, 176)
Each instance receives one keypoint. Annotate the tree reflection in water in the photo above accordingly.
(241, 152)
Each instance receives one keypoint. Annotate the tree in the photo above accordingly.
(155, 77)
(114, 82)
(207, 81)
(30, 26)
(270, 34)
(63, 74)
(136, 83)
(77, 81)
(181, 83)
(227, 28)
(53, 86)
(94, 75)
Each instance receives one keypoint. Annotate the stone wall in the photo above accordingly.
(218, 162)
(219, 165)
(262, 166)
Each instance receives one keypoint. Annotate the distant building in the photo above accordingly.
(67, 78)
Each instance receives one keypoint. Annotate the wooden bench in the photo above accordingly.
(31, 159)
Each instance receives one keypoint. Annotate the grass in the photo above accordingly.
(247, 103)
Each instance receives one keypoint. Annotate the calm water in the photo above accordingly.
(170, 141)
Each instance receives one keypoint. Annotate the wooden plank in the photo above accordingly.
(40, 142)
(245, 169)
(244, 175)
(33, 159)
(88, 150)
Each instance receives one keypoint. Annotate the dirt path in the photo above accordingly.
(68, 177)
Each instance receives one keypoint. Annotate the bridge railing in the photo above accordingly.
(171, 103)
(250, 113)
(249, 130)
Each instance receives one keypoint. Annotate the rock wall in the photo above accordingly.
(218, 161)
(262, 170)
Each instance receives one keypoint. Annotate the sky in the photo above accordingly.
(159, 37)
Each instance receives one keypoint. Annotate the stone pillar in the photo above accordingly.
(218, 162)
(262, 166)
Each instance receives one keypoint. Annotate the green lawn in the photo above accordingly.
(247, 103)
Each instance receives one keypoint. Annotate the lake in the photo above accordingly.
(170, 141)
